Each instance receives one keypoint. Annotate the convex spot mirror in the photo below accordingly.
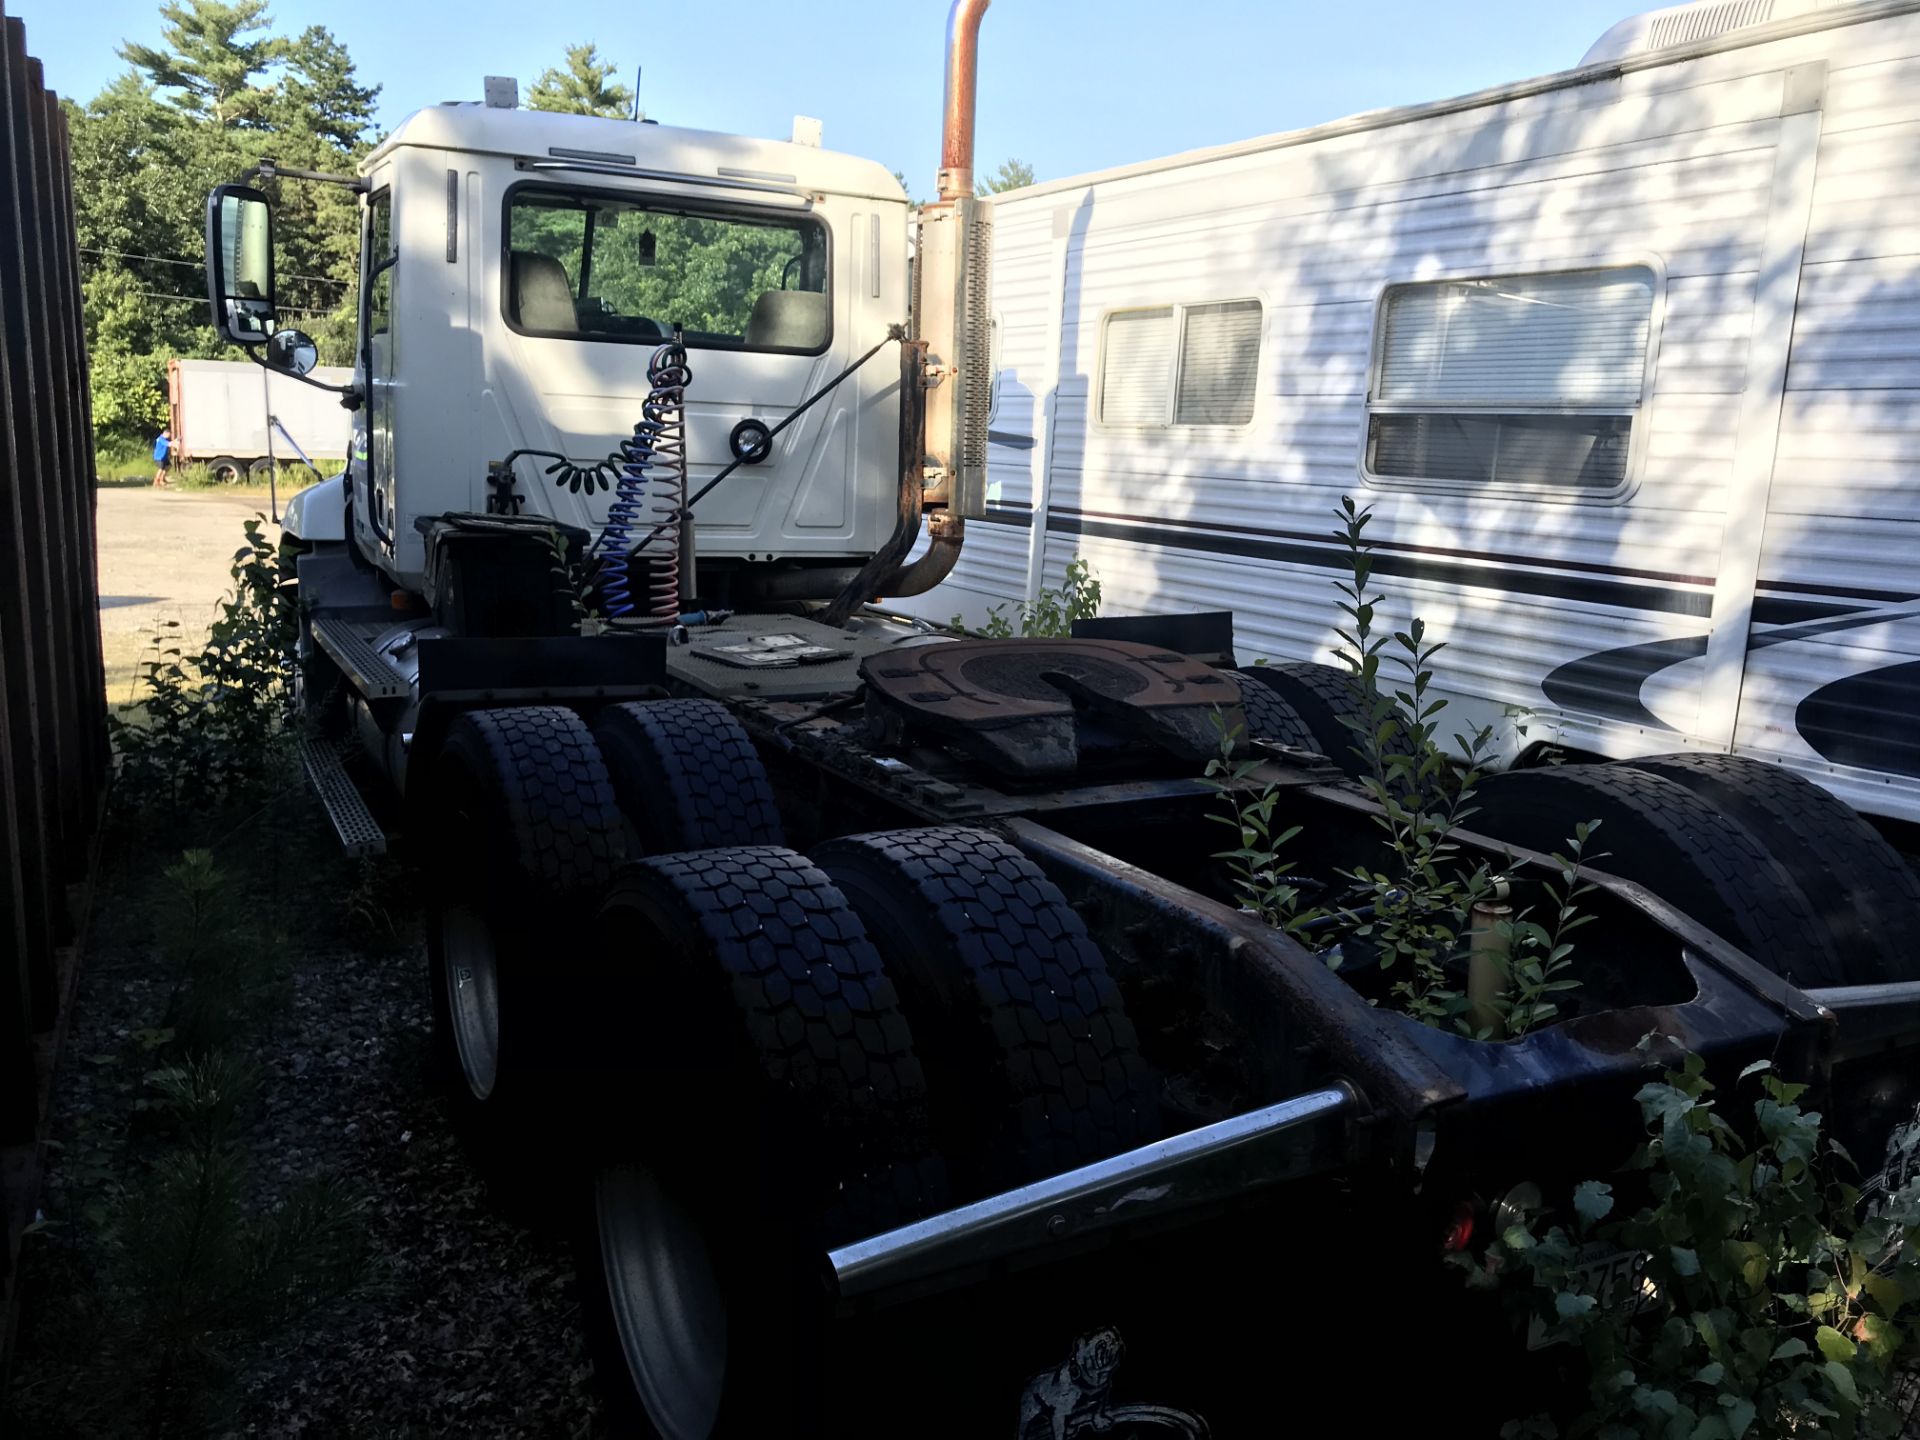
(292, 351)
(240, 264)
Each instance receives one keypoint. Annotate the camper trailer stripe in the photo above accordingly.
(1411, 562)
(1493, 570)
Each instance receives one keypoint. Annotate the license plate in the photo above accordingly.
(1616, 1279)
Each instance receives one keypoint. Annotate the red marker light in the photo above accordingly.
(1460, 1230)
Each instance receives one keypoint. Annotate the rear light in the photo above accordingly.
(1460, 1228)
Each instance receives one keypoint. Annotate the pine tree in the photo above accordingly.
(321, 93)
(585, 87)
(1012, 175)
(208, 61)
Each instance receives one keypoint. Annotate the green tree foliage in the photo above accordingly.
(585, 87)
(320, 94)
(207, 62)
(1012, 175)
(219, 95)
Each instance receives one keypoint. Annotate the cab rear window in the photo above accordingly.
(587, 265)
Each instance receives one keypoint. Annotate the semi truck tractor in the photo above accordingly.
(868, 995)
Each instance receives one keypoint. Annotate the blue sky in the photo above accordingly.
(1067, 85)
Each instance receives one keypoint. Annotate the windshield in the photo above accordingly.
(593, 266)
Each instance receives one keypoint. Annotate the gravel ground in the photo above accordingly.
(468, 1324)
(164, 555)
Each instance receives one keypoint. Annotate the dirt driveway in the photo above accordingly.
(164, 555)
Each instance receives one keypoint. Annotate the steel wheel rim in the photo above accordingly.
(667, 1306)
(473, 996)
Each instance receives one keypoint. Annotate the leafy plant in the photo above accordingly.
(1051, 612)
(1420, 906)
(1414, 909)
(570, 580)
(205, 724)
(1534, 959)
(1770, 1305)
(1261, 880)
(197, 1270)
(225, 974)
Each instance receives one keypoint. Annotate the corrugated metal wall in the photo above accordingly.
(53, 744)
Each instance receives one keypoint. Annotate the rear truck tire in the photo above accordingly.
(1660, 834)
(686, 777)
(1270, 717)
(782, 1110)
(226, 470)
(521, 839)
(1031, 1060)
(1327, 699)
(260, 471)
(1864, 891)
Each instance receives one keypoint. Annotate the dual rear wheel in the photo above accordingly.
(1761, 856)
(747, 1055)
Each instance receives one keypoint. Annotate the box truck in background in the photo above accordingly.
(220, 414)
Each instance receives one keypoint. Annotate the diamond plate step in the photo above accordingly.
(354, 654)
(360, 834)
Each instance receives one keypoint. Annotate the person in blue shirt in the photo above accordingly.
(162, 448)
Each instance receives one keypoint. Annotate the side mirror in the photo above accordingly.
(240, 264)
(292, 351)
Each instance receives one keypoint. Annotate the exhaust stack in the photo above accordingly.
(952, 296)
(963, 69)
(946, 366)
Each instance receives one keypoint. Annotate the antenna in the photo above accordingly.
(638, 71)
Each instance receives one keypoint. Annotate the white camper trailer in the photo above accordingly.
(1624, 359)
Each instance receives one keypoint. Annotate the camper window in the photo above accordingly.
(1510, 381)
(1207, 378)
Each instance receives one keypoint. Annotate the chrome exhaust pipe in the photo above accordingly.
(946, 392)
(963, 73)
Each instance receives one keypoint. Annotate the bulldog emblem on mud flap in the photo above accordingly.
(1076, 1399)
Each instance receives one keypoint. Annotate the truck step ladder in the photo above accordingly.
(372, 676)
(360, 834)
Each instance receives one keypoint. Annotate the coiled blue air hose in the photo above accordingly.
(661, 424)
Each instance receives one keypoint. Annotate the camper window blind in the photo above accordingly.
(1219, 363)
(1529, 381)
(1181, 365)
(1136, 367)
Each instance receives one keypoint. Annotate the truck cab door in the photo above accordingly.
(371, 465)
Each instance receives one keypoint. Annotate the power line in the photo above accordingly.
(201, 300)
(196, 264)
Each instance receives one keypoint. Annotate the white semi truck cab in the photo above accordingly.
(520, 269)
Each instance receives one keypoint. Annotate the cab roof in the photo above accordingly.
(548, 135)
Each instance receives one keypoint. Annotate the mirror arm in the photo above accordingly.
(352, 392)
(270, 169)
